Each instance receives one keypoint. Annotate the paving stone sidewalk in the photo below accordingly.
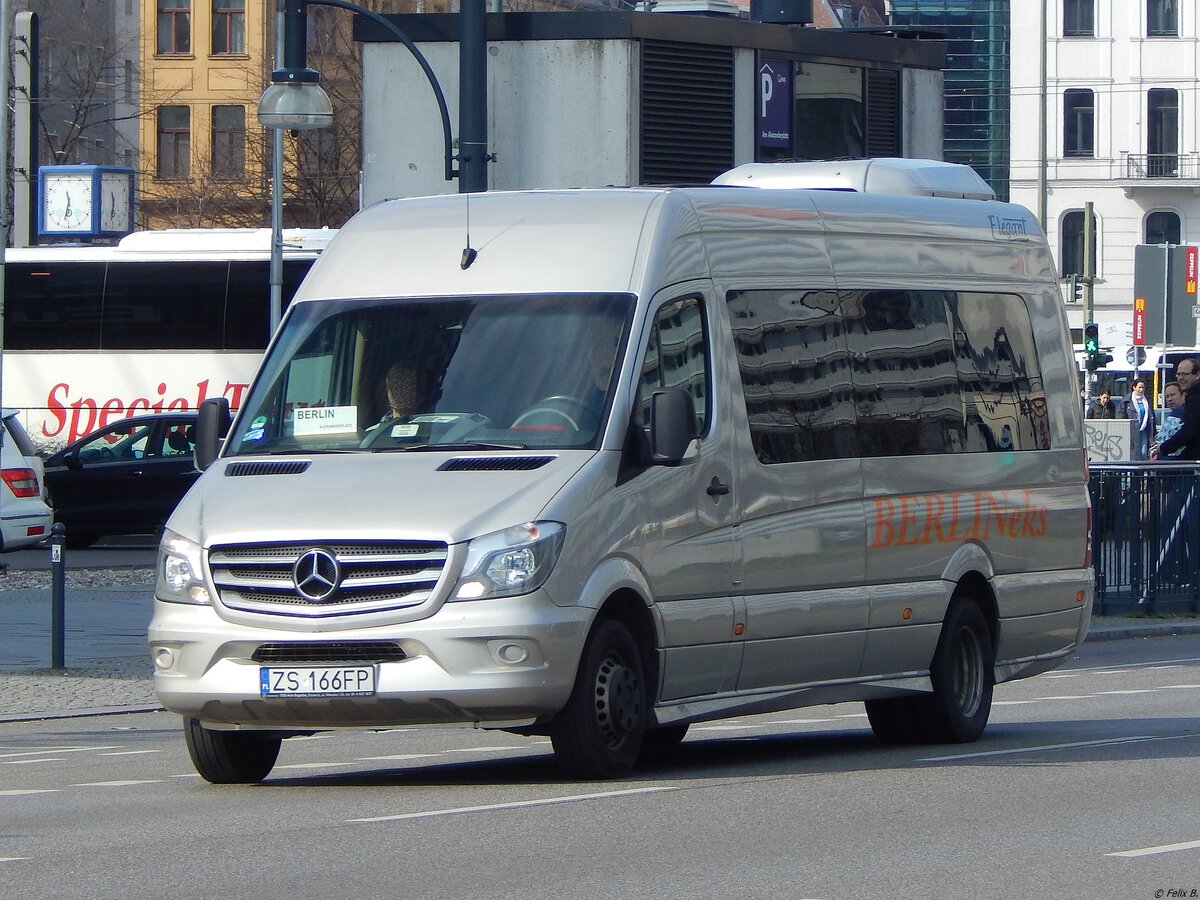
(108, 668)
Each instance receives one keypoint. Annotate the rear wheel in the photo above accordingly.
(230, 757)
(599, 732)
(962, 672)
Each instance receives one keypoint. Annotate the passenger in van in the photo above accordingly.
(1187, 439)
(1103, 408)
(1137, 408)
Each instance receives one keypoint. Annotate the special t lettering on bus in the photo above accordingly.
(158, 323)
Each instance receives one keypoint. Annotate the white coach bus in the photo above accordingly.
(161, 321)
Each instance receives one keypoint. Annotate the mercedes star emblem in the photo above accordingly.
(317, 574)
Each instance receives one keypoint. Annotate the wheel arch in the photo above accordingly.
(975, 587)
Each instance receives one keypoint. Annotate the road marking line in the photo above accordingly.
(117, 783)
(13, 858)
(1016, 702)
(800, 721)
(313, 765)
(1153, 851)
(1070, 697)
(517, 804)
(17, 792)
(1137, 739)
(485, 749)
(46, 750)
(1142, 691)
(131, 752)
(396, 756)
(22, 762)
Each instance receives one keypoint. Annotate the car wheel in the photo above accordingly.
(963, 674)
(599, 732)
(892, 720)
(230, 757)
(660, 743)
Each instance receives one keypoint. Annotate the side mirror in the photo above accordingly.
(212, 424)
(672, 426)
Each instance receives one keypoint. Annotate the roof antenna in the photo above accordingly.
(469, 252)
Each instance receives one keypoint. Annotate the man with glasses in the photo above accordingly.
(1187, 438)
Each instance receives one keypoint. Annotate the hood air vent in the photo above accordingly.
(494, 464)
(288, 467)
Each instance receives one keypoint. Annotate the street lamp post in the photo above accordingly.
(295, 101)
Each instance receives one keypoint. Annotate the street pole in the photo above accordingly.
(4, 70)
(1042, 124)
(277, 196)
(472, 97)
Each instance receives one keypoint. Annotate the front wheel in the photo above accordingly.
(599, 732)
(230, 757)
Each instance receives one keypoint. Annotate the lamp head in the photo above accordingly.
(295, 101)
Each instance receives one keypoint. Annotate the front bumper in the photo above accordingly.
(504, 660)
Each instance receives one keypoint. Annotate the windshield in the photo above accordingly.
(456, 373)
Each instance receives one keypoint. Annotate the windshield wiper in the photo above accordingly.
(459, 445)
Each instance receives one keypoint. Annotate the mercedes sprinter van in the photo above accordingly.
(610, 462)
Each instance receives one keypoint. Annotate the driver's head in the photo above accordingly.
(403, 390)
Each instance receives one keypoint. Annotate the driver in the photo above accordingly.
(402, 387)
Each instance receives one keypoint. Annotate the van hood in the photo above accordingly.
(416, 495)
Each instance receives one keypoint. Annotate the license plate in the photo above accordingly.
(317, 681)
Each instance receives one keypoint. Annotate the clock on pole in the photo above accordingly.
(85, 201)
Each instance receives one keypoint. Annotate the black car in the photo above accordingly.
(124, 478)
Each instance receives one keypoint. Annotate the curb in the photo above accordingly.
(79, 713)
(1163, 629)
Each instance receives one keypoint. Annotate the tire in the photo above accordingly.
(659, 743)
(963, 674)
(893, 720)
(230, 757)
(598, 734)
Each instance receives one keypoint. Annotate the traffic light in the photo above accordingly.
(1091, 338)
(1075, 284)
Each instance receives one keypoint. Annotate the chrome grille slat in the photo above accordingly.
(374, 576)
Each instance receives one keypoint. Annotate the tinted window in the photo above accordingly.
(887, 373)
(149, 306)
(677, 356)
(795, 373)
(905, 386)
(52, 305)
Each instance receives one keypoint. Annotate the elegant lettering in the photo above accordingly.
(69, 416)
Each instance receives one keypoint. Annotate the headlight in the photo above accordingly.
(514, 561)
(180, 571)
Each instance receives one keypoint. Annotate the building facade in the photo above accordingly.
(976, 127)
(204, 64)
(1122, 131)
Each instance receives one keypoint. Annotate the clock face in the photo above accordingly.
(67, 203)
(114, 202)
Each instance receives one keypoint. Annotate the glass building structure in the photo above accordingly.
(976, 129)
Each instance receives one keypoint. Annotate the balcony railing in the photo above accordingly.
(1162, 165)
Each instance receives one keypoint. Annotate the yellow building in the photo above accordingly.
(204, 64)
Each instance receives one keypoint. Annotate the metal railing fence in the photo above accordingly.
(1146, 537)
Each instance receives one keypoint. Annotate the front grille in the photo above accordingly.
(328, 652)
(354, 576)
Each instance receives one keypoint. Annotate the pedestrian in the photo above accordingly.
(1137, 408)
(1187, 439)
(1173, 401)
(1103, 408)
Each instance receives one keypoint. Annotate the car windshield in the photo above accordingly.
(454, 373)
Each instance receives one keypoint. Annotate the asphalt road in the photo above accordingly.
(1084, 785)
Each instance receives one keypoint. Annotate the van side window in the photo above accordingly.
(906, 393)
(887, 373)
(795, 369)
(1004, 399)
(677, 356)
